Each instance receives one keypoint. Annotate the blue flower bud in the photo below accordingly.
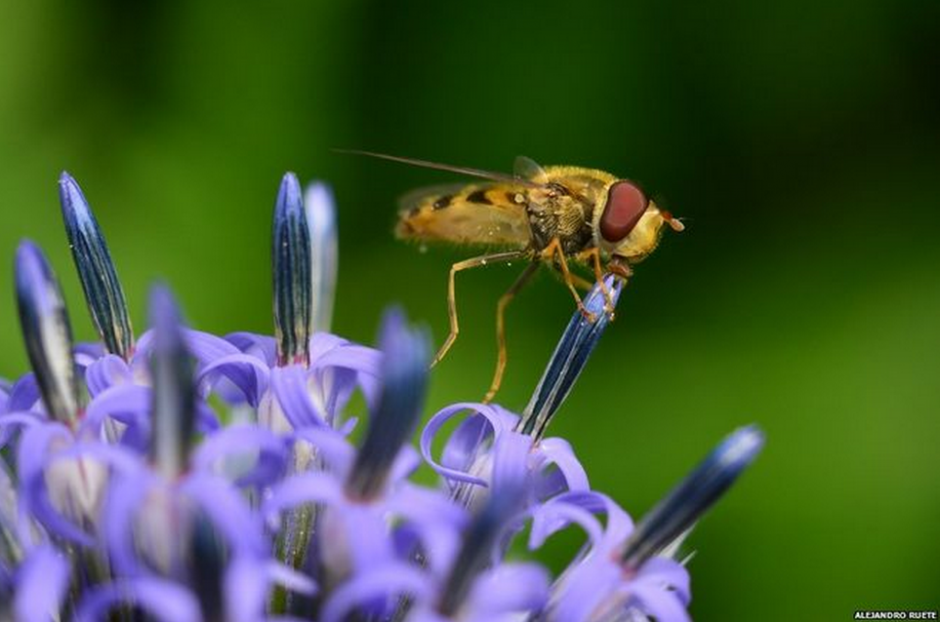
(174, 395)
(290, 255)
(688, 501)
(571, 354)
(103, 292)
(46, 332)
(404, 372)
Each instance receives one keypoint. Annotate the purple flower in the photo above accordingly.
(188, 477)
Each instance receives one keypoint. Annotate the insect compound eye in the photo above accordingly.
(625, 206)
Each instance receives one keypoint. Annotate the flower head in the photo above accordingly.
(189, 477)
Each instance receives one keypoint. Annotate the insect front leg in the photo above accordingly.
(579, 282)
(466, 264)
(548, 254)
(504, 301)
(593, 256)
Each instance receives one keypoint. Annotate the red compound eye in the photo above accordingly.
(625, 206)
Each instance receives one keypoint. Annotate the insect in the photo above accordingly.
(557, 215)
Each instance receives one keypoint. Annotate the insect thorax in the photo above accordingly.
(562, 217)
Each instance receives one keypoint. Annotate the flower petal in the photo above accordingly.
(41, 584)
(381, 583)
(434, 425)
(160, 599)
(228, 451)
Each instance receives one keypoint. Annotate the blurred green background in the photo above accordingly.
(799, 140)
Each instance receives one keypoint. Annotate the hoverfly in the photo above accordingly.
(555, 215)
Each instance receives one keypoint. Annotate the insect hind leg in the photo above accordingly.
(466, 264)
(504, 301)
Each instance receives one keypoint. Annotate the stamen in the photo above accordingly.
(573, 350)
(290, 255)
(103, 292)
(174, 395)
(404, 370)
(47, 333)
(688, 501)
(324, 255)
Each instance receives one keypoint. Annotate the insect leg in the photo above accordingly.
(504, 301)
(594, 255)
(578, 281)
(554, 248)
(452, 293)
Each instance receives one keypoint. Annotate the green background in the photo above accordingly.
(800, 141)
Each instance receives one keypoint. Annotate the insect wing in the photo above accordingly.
(529, 169)
(478, 214)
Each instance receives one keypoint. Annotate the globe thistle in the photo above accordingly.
(179, 475)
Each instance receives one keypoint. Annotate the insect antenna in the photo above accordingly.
(461, 170)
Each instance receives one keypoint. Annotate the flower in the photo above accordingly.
(190, 477)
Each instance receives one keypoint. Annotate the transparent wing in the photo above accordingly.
(476, 214)
(419, 196)
(527, 168)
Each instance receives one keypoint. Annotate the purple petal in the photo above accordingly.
(511, 467)
(556, 515)
(119, 515)
(582, 591)
(87, 353)
(357, 535)
(618, 527)
(127, 403)
(298, 489)
(289, 385)
(331, 446)
(13, 421)
(33, 459)
(161, 599)
(24, 394)
(108, 371)
(245, 371)
(247, 586)
(205, 347)
(227, 511)
(509, 588)
(41, 583)
(496, 423)
(236, 446)
(260, 346)
(433, 519)
(657, 602)
(350, 356)
(380, 583)
(557, 452)
(669, 573)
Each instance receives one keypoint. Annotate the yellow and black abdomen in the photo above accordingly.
(484, 215)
